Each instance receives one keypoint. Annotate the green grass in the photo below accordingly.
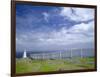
(28, 65)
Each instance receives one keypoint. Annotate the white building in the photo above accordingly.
(24, 54)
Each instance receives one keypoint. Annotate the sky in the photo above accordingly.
(50, 28)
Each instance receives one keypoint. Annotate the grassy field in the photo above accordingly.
(28, 65)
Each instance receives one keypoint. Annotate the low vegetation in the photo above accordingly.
(29, 65)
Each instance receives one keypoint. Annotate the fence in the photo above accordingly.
(71, 53)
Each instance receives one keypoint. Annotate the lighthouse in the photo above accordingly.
(24, 54)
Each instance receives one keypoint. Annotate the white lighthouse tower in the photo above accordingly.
(24, 55)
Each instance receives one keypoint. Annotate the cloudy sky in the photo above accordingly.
(49, 28)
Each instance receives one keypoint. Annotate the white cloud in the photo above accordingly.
(46, 15)
(77, 14)
(75, 35)
(83, 28)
